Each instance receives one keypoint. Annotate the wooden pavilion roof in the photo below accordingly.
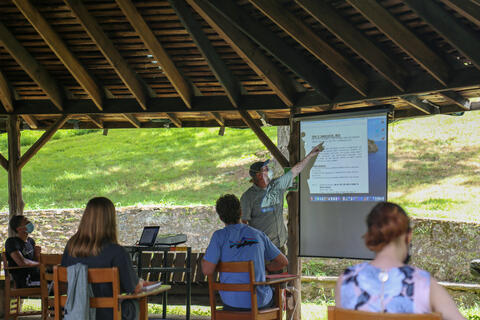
(197, 63)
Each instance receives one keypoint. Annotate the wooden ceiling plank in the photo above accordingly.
(304, 35)
(404, 38)
(419, 104)
(134, 121)
(42, 140)
(31, 66)
(3, 162)
(412, 113)
(175, 120)
(106, 46)
(247, 50)
(229, 83)
(96, 120)
(356, 40)
(31, 121)
(290, 57)
(150, 40)
(264, 138)
(6, 96)
(466, 8)
(61, 50)
(457, 34)
(457, 99)
(218, 118)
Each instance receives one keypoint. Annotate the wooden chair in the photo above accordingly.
(102, 275)
(254, 313)
(47, 261)
(14, 295)
(346, 314)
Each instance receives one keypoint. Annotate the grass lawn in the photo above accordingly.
(434, 166)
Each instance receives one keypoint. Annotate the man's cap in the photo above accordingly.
(257, 167)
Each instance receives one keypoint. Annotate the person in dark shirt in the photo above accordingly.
(21, 251)
(95, 244)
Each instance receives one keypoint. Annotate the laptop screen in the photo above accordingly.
(149, 235)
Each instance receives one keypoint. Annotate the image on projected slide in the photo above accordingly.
(352, 166)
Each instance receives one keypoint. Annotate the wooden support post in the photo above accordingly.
(15, 201)
(294, 262)
(263, 138)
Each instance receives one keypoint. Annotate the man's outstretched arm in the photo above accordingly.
(300, 165)
(278, 263)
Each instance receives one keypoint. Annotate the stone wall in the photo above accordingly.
(445, 248)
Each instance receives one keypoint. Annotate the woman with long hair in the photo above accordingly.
(95, 244)
(388, 283)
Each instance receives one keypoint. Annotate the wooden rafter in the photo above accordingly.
(229, 83)
(247, 50)
(96, 120)
(292, 58)
(313, 43)
(134, 121)
(113, 56)
(31, 66)
(420, 104)
(353, 38)
(3, 162)
(31, 121)
(148, 37)
(61, 50)
(467, 8)
(42, 141)
(175, 120)
(414, 112)
(6, 96)
(457, 99)
(218, 117)
(264, 138)
(404, 38)
(467, 42)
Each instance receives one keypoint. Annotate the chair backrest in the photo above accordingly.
(346, 314)
(47, 261)
(95, 275)
(214, 285)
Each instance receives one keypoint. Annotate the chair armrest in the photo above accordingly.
(19, 268)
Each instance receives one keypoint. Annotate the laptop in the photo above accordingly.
(149, 235)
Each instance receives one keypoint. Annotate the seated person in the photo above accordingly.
(240, 242)
(388, 283)
(21, 251)
(95, 244)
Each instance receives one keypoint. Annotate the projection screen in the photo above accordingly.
(345, 181)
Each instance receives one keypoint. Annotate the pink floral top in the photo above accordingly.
(399, 290)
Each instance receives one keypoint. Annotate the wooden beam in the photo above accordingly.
(148, 37)
(113, 56)
(414, 113)
(457, 99)
(31, 66)
(42, 141)
(455, 32)
(287, 54)
(247, 50)
(419, 104)
(3, 162)
(263, 138)
(229, 83)
(466, 8)
(6, 96)
(96, 120)
(31, 121)
(61, 50)
(304, 35)
(15, 201)
(356, 40)
(218, 118)
(134, 121)
(175, 120)
(404, 38)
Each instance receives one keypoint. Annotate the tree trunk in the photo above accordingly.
(15, 201)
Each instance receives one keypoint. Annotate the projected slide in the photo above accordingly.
(352, 166)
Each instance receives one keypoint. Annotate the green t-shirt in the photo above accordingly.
(263, 208)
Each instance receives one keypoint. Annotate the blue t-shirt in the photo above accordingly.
(239, 242)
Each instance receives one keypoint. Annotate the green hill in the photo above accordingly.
(434, 166)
